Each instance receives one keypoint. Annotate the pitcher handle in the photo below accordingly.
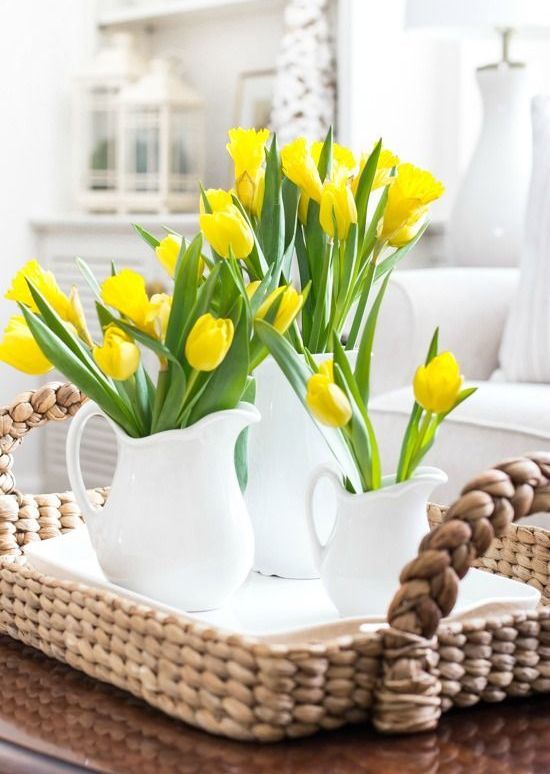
(324, 471)
(74, 438)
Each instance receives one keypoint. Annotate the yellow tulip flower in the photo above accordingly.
(289, 307)
(158, 314)
(327, 402)
(343, 160)
(228, 232)
(300, 167)
(408, 199)
(167, 252)
(19, 349)
(218, 199)
(247, 149)
(125, 292)
(251, 288)
(68, 308)
(119, 355)
(208, 342)
(438, 384)
(337, 204)
(386, 162)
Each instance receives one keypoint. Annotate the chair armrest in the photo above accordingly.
(470, 306)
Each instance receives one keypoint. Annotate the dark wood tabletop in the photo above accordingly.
(54, 719)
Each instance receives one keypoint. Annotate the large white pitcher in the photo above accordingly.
(374, 535)
(175, 526)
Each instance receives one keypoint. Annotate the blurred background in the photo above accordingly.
(112, 110)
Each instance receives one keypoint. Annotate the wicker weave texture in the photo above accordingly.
(251, 689)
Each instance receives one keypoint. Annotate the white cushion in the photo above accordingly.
(500, 420)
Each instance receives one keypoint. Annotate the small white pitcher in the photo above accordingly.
(374, 535)
(175, 526)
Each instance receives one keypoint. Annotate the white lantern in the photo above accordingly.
(161, 142)
(97, 122)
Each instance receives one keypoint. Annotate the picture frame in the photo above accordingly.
(254, 98)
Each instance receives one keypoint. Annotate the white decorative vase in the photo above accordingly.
(284, 450)
(525, 349)
(375, 534)
(486, 223)
(175, 526)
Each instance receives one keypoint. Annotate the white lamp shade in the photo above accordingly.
(481, 16)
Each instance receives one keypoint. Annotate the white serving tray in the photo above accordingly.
(270, 607)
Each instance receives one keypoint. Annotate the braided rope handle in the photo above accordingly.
(51, 402)
(407, 699)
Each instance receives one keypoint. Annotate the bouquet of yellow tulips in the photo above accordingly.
(313, 211)
(202, 335)
(337, 397)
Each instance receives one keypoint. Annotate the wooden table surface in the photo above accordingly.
(54, 719)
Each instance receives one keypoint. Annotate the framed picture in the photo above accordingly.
(254, 98)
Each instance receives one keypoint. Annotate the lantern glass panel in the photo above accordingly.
(185, 142)
(101, 168)
(143, 149)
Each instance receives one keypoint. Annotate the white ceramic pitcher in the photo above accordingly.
(374, 535)
(283, 451)
(175, 526)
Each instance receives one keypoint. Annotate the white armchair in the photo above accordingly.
(470, 306)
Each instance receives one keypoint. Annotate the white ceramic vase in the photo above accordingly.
(374, 535)
(485, 227)
(284, 450)
(175, 526)
(525, 349)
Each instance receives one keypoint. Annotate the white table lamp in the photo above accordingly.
(486, 222)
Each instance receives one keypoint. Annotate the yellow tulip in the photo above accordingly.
(408, 199)
(289, 307)
(158, 313)
(218, 199)
(300, 167)
(303, 206)
(19, 349)
(167, 252)
(228, 232)
(386, 162)
(247, 149)
(337, 204)
(250, 191)
(126, 293)
(119, 355)
(45, 283)
(437, 385)
(327, 402)
(343, 160)
(208, 342)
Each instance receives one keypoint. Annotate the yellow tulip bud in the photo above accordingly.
(327, 402)
(289, 307)
(77, 317)
(158, 313)
(119, 355)
(126, 293)
(437, 385)
(19, 349)
(45, 283)
(303, 206)
(300, 167)
(168, 252)
(409, 195)
(337, 204)
(218, 199)
(228, 232)
(208, 342)
(250, 191)
(247, 149)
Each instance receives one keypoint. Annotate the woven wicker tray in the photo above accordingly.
(401, 677)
